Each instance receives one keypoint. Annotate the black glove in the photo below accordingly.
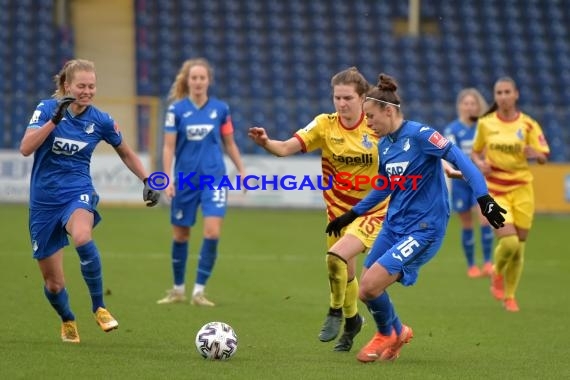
(62, 105)
(492, 211)
(150, 196)
(336, 225)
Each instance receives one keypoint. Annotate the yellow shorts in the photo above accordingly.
(519, 204)
(365, 228)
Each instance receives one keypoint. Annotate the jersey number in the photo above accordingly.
(219, 196)
(369, 223)
(406, 248)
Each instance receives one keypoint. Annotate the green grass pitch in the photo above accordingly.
(270, 284)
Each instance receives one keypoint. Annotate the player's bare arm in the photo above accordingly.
(276, 147)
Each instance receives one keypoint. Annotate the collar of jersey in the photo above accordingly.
(394, 136)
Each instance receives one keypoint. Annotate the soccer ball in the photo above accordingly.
(216, 341)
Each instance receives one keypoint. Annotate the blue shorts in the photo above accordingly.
(462, 198)
(184, 206)
(47, 225)
(404, 254)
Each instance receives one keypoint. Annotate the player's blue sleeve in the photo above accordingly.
(372, 199)
(41, 115)
(470, 172)
(111, 133)
(171, 120)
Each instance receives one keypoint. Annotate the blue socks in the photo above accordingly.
(60, 302)
(384, 314)
(179, 258)
(487, 242)
(208, 254)
(91, 270)
(468, 246)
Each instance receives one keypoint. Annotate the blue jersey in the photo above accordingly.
(415, 151)
(61, 169)
(461, 135)
(199, 145)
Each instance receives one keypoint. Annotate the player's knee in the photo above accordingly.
(364, 294)
(81, 237)
(181, 234)
(54, 285)
(335, 264)
(212, 233)
(367, 292)
(510, 244)
(212, 230)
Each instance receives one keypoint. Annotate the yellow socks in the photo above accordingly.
(350, 307)
(513, 271)
(338, 278)
(506, 248)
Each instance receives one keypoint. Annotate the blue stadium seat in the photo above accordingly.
(289, 50)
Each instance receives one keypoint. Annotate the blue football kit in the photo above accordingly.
(199, 158)
(462, 198)
(61, 180)
(418, 211)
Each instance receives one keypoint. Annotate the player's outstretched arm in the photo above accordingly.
(276, 147)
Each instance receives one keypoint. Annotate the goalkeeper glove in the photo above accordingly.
(150, 196)
(62, 105)
(492, 211)
(336, 225)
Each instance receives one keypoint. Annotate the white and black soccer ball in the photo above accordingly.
(216, 341)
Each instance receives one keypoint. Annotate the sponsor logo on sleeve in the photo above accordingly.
(438, 140)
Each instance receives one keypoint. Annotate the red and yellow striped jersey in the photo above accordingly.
(344, 150)
(503, 143)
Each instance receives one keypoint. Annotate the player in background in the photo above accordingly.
(197, 129)
(347, 145)
(470, 105)
(63, 133)
(506, 139)
(416, 219)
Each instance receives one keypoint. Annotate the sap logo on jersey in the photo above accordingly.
(396, 168)
(66, 146)
(198, 132)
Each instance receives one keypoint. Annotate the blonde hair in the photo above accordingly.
(471, 91)
(179, 89)
(67, 72)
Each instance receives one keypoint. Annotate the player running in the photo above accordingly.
(416, 219)
(63, 133)
(505, 140)
(347, 145)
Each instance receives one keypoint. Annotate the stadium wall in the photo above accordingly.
(118, 186)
